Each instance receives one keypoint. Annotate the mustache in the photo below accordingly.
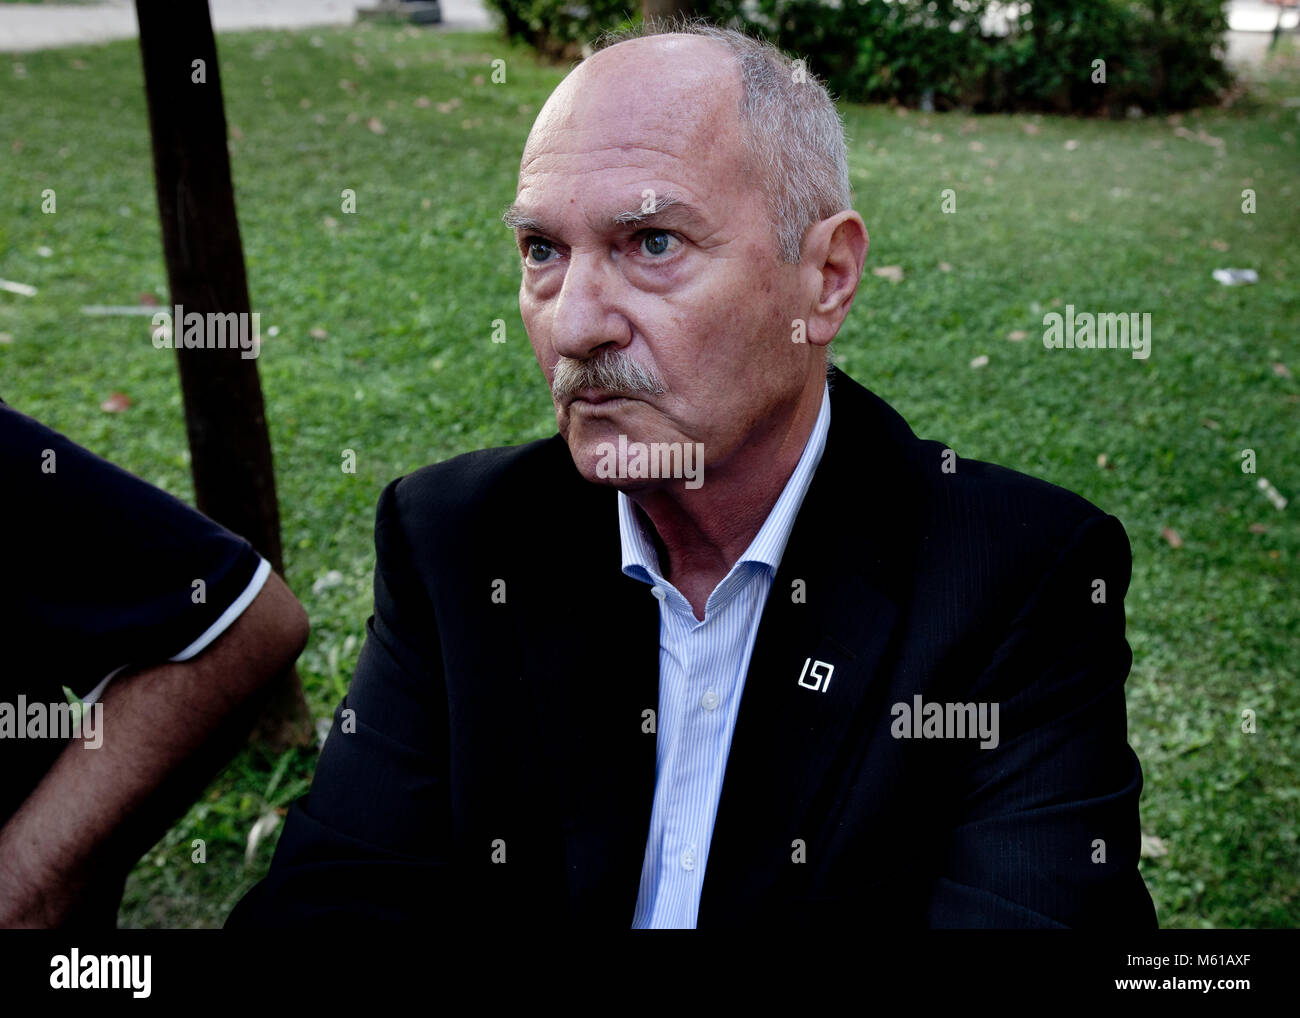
(614, 372)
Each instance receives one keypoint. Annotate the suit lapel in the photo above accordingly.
(814, 662)
(591, 653)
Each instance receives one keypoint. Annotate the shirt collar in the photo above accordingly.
(641, 561)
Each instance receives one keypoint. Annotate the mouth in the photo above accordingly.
(595, 397)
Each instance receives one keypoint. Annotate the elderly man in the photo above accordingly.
(798, 666)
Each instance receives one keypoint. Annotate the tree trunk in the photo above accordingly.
(230, 449)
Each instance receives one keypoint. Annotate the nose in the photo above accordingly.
(585, 316)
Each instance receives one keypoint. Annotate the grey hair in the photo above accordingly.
(614, 371)
(794, 136)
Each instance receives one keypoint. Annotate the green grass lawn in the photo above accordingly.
(1107, 216)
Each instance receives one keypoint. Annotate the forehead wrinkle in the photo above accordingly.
(668, 207)
(669, 204)
(676, 199)
(534, 153)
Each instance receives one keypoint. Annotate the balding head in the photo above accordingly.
(646, 233)
(682, 84)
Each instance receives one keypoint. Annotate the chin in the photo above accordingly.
(586, 457)
(621, 461)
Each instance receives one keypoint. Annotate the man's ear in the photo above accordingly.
(834, 253)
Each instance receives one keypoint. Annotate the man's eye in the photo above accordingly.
(539, 250)
(658, 242)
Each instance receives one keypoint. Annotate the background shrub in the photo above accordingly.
(972, 54)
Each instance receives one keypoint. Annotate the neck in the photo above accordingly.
(700, 534)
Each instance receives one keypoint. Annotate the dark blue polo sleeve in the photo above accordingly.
(101, 569)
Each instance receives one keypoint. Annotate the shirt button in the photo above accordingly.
(688, 859)
(659, 592)
(709, 701)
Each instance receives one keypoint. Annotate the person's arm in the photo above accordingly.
(166, 732)
(1048, 833)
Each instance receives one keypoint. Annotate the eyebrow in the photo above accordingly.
(668, 205)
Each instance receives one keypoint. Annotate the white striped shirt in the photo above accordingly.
(702, 666)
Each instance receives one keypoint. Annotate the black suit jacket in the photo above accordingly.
(490, 766)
